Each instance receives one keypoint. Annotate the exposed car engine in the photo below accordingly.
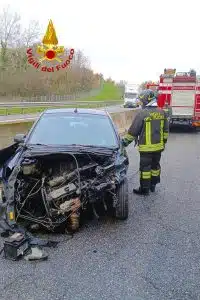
(52, 190)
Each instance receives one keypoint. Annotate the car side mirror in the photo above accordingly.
(19, 138)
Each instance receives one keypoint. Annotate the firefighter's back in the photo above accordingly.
(151, 137)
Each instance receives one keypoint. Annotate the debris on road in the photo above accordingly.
(20, 245)
(36, 254)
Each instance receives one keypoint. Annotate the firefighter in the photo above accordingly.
(150, 131)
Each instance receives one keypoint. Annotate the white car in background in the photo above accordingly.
(131, 100)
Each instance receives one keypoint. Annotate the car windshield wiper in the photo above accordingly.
(79, 147)
(40, 144)
(94, 147)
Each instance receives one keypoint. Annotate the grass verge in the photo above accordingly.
(108, 92)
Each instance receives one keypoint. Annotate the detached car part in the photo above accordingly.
(16, 246)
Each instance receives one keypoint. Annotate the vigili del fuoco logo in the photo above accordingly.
(49, 57)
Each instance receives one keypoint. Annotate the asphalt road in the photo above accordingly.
(10, 118)
(154, 255)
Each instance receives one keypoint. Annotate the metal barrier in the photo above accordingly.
(28, 108)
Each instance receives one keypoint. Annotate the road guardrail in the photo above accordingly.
(24, 108)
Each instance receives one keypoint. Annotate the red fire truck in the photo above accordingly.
(180, 92)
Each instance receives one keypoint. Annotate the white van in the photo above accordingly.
(130, 97)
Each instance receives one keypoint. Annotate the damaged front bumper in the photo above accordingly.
(50, 189)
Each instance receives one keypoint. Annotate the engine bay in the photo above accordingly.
(53, 190)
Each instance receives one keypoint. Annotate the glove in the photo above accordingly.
(136, 142)
(124, 142)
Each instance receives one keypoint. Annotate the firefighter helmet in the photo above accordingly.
(146, 96)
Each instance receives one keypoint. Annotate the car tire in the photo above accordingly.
(122, 205)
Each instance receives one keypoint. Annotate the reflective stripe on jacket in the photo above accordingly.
(151, 128)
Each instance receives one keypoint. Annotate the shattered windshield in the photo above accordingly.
(74, 129)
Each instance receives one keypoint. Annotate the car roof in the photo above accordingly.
(76, 110)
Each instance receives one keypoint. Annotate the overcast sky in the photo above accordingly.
(131, 40)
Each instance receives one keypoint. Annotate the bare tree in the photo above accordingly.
(13, 38)
(18, 77)
(9, 32)
(9, 27)
(30, 35)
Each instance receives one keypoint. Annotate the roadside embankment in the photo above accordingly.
(122, 121)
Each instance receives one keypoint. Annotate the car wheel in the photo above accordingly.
(121, 209)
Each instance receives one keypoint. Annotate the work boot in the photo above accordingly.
(141, 191)
(152, 188)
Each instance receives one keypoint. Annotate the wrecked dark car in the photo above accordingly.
(70, 161)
